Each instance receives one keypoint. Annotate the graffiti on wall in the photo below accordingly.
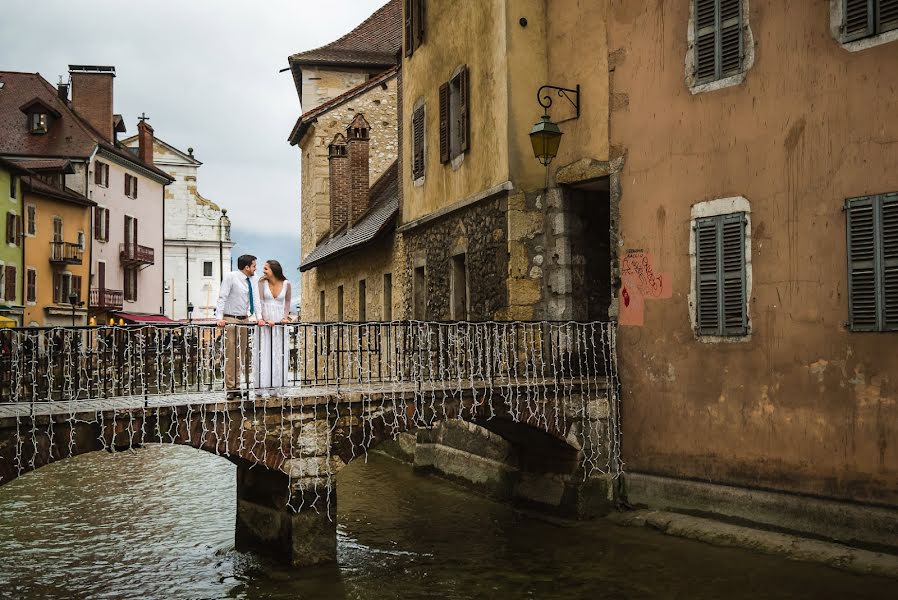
(640, 282)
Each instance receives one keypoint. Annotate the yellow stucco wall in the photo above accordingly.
(75, 218)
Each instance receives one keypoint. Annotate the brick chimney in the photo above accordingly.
(92, 96)
(145, 141)
(338, 174)
(357, 136)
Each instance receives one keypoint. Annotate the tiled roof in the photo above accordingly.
(375, 42)
(71, 136)
(39, 164)
(378, 219)
(35, 185)
(306, 119)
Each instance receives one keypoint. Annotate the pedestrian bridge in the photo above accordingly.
(343, 388)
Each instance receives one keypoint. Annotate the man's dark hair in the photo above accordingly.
(245, 261)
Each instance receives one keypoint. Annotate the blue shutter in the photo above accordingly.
(858, 19)
(862, 259)
(889, 261)
(732, 251)
(707, 274)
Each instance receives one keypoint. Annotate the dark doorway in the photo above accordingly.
(590, 209)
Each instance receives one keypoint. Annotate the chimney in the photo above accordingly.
(338, 174)
(145, 140)
(357, 136)
(92, 96)
(62, 90)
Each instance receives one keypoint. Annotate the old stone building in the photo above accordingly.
(347, 135)
(197, 236)
(757, 186)
(476, 205)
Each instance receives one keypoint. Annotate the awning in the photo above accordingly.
(7, 322)
(132, 318)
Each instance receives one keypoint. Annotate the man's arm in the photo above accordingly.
(223, 293)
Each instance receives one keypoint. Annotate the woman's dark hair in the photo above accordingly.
(276, 269)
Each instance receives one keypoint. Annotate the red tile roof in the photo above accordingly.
(36, 186)
(69, 136)
(39, 164)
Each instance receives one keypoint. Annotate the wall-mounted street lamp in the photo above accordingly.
(545, 137)
(189, 312)
(73, 300)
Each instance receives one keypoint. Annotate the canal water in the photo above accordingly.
(159, 523)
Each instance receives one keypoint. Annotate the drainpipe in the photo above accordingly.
(187, 275)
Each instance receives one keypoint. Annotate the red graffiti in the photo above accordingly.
(626, 296)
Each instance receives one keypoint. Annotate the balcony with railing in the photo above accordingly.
(134, 254)
(66, 253)
(106, 299)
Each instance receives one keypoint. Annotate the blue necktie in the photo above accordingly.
(252, 307)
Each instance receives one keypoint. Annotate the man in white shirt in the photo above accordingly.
(236, 306)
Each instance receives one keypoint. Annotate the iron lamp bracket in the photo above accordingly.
(545, 100)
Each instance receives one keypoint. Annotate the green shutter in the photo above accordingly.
(718, 39)
(887, 16)
(862, 285)
(889, 261)
(732, 251)
(858, 20)
(707, 277)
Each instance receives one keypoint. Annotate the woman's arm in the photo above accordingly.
(260, 302)
(287, 302)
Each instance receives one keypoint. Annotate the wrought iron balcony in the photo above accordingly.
(106, 298)
(135, 254)
(66, 253)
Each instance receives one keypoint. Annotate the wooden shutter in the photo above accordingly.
(418, 143)
(419, 20)
(718, 39)
(887, 16)
(31, 292)
(127, 184)
(409, 30)
(862, 293)
(732, 254)
(463, 103)
(889, 237)
(76, 286)
(10, 284)
(98, 172)
(707, 277)
(57, 288)
(10, 228)
(105, 174)
(134, 183)
(18, 229)
(444, 123)
(106, 220)
(858, 20)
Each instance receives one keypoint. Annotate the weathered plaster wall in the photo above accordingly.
(320, 84)
(379, 107)
(803, 405)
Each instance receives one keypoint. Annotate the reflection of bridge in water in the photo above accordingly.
(551, 388)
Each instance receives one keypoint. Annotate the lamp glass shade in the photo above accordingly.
(545, 137)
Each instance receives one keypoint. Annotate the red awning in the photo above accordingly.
(132, 318)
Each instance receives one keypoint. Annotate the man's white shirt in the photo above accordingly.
(233, 296)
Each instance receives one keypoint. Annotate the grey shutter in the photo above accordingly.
(707, 277)
(444, 123)
(705, 35)
(730, 53)
(732, 258)
(464, 103)
(858, 20)
(862, 293)
(887, 16)
(718, 39)
(889, 262)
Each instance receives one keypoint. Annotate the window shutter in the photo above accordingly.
(732, 245)
(10, 228)
(419, 22)
(409, 31)
(98, 214)
(106, 229)
(464, 120)
(718, 39)
(134, 183)
(444, 123)
(98, 173)
(76, 286)
(57, 288)
(10, 283)
(106, 174)
(18, 230)
(887, 16)
(858, 19)
(707, 288)
(730, 37)
(127, 184)
(705, 36)
(32, 285)
(135, 234)
(418, 143)
(862, 295)
(890, 262)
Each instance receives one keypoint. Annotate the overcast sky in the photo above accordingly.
(204, 71)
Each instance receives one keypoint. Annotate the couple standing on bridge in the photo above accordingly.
(254, 311)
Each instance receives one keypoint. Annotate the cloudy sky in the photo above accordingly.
(206, 72)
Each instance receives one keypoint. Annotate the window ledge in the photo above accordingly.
(719, 84)
(722, 339)
(419, 182)
(870, 42)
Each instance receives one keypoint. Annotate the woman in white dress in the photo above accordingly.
(270, 350)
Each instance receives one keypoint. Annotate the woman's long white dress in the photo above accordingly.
(270, 349)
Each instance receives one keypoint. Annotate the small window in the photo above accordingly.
(459, 289)
(322, 316)
(388, 297)
(867, 18)
(419, 294)
(62, 287)
(718, 39)
(340, 304)
(101, 174)
(81, 240)
(13, 186)
(872, 228)
(9, 283)
(418, 143)
(31, 285)
(131, 284)
(414, 15)
(38, 122)
(130, 186)
(454, 122)
(363, 301)
(11, 226)
(207, 268)
(721, 275)
(101, 224)
(31, 219)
